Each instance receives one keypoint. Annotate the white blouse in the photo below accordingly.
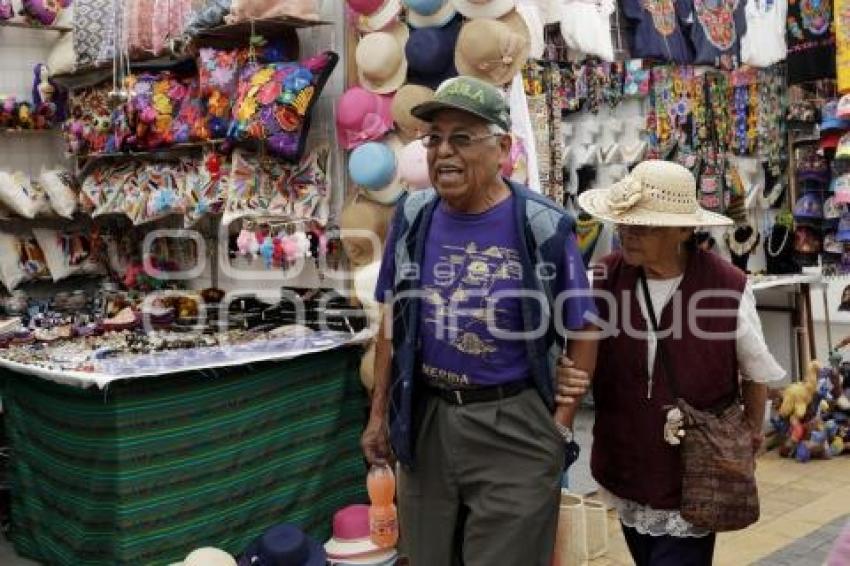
(586, 26)
(764, 42)
(755, 363)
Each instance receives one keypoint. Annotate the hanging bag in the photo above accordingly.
(719, 491)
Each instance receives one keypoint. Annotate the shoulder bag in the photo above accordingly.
(719, 490)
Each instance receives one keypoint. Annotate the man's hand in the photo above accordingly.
(756, 436)
(375, 441)
(573, 383)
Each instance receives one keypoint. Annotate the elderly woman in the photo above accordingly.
(635, 455)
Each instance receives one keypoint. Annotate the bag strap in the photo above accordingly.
(659, 350)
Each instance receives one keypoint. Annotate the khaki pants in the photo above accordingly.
(485, 487)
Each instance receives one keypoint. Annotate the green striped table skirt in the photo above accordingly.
(149, 469)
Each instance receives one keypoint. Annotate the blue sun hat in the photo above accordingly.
(430, 53)
(374, 167)
(429, 13)
(284, 544)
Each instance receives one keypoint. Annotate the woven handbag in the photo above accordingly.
(719, 491)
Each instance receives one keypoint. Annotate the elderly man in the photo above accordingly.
(484, 280)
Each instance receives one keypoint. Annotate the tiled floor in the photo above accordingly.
(803, 507)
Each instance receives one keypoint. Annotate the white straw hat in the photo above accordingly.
(656, 193)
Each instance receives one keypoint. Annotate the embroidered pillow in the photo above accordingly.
(274, 103)
(66, 253)
(60, 188)
(21, 260)
(16, 193)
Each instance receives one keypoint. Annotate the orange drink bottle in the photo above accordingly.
(383, 517)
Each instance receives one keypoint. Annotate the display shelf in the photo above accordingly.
(25, 25)
(21, 131)
(94, 74)
(762, 283)
(238, 34)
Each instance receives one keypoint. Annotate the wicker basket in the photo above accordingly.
(596, 519)
(571, 539)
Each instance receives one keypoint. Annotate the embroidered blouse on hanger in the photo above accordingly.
(715, 31)
(764, 43)
(657, 31)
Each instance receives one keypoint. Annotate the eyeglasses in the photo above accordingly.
(460, 140)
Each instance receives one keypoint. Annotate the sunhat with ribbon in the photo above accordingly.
(430, 54)
(429, 13)
(380, 558)
(493, 50)
(474, 9)
(350, 533)
(375, 15)
(362, 116)
(284, 544)
(374, 167)
(405, 99)
(381, 65)
(207, 556)
(655, 193)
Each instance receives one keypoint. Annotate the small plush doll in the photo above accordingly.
(8, 111)
(48, 99)
(25, 120)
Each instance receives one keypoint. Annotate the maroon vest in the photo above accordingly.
(630, 457)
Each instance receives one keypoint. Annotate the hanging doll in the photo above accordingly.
(7, 11)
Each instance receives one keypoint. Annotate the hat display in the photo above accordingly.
(841, 189)
(350, 533)
(468, 94)
(843, 149)
(813, 167)
(843, 110)
(829, 140)
(363, 227)
(808, 207)
(831, 211)
(655, 193)
(413, 162)
(843, 233)
(362, 116)
(430, 54)
(364, 7)
(381, 65)
(405, 99)
(483, 8)
(374, 167)
(284, 544)
(807, 240)
(831, 245)
(207, 556)
(829, 118)
(429, 13)
(493, 50)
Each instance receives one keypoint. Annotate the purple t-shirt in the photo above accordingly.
(471, 271)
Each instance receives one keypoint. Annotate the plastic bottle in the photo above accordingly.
(383, 517)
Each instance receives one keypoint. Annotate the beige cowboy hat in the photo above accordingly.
(474, 9)
(493, 50)
(381, 64)
(656, 193)
(406, 98)
(364, 225)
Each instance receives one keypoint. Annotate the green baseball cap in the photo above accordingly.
(467, 94)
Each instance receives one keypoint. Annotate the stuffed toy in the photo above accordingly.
(7, 11)
(797, 396)
(8, 111)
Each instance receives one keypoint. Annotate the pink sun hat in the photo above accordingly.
(362, 116)
(365, 7)
(413, 166)
(350, 533)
